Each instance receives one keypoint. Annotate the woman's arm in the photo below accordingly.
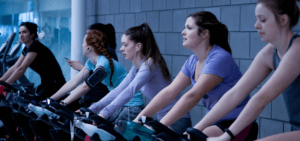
(141, 78)
(20, 70)
(204, 84)
(108, 98)
(287, 71)
(257, 72)
(166, 95)
(77, 93)
(11, 70)
(71, 85)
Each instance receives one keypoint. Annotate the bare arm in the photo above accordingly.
(77, 93)
(70, 85)
(11, 70)
(204, 84)
(287, 71)
(20, 70)
(166, 96)
(257, 72)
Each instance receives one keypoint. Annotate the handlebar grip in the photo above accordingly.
(196, 135)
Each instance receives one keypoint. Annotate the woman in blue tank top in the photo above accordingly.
(274, 23)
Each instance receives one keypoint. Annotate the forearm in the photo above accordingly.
(8, 74)
(224, 106)
(181, 108)
(66, 88)
(77, 93)
(161, 100)
(252, 110)
(15, 75)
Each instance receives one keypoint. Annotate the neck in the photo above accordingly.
(282, 41)
(28, 43)
(93, 57)
(202, 51)
(138, 60)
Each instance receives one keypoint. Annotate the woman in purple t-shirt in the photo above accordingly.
(211, 70)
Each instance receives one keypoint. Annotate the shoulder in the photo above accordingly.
(192, 59)
(219, 54)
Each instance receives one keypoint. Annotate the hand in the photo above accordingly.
(102, 116)
(75, 64)
(137, 121)
(223, 137)
(188, 135)
(78, 111)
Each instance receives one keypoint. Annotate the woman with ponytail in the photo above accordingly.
(148, 74)
(95, 48)
(211, 70)
(274, 22)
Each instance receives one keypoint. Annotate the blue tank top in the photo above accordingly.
(291, 94)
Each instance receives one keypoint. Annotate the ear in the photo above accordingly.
(284, 19)
(204, 34)
(138, 46)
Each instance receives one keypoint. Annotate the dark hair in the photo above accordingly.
(32, 27)
(280, 7)
(107, 29)
(98, 41)
(143, 34)
(218, 32)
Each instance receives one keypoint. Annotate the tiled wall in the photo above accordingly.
(166, 19)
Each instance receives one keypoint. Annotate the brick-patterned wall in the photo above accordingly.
(166, 19)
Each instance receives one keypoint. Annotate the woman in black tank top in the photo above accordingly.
(39, 58)
(275, 20)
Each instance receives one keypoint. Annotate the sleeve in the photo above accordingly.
(219, 64)
(88, 64)
(186, 68)
(142, 77)
(96, 107)
(34, 47)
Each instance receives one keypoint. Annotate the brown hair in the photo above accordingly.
(280, 7)
(98, 41)
(143, 34)
(218, 31)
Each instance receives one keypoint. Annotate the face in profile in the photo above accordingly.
(266, 23)
(128, 47)
(24, 35)
(84, 46)
(191, 38)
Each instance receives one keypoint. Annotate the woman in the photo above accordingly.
(40, 59)
(99, 91)
(149, 74)
(211, 70)
(109, 31)
(95, 49)
(275, 20)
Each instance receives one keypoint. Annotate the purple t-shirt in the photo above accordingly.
(149, 81)
(218, 62)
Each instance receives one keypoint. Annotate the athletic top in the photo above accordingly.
(149, 80)
(220, 63)
(291, 94)
(45, 64)
(117, 77)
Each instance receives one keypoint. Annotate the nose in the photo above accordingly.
(122, 48)
(183, 32)
(257, 25)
